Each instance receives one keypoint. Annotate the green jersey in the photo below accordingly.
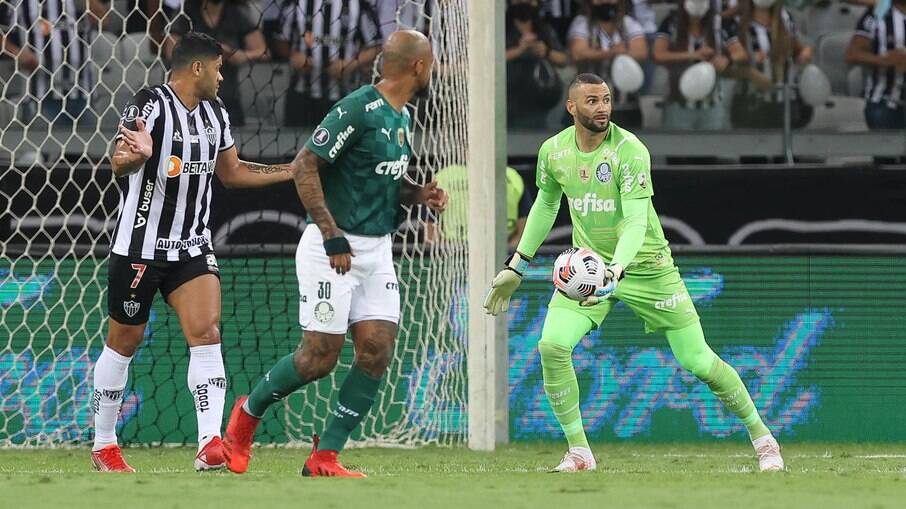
(367, 144)
(595, 184)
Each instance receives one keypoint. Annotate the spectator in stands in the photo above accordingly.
(395, 15)
(532, 52)
(775, 50)
(235, 25)
(641, 11)
(696, 33)
(60, 81)
(331, 53)
(596, 37)
(559, 14)
(879, 44)
(455, 225)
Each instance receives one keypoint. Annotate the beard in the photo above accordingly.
(590, 124)
(423, 92)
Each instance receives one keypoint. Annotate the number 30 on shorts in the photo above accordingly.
(323, 289)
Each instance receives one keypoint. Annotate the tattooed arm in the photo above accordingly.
(234, 172)
(306, 168)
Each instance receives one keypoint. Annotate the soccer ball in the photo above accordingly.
(578, 272)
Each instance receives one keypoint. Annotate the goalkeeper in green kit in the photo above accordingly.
(605, 173)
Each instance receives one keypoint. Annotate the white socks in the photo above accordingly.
(207, 381)
(110, 374)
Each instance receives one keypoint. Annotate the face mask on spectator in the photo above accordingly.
(764, 4)
(604, 12)
(696, 8)
(523, 12)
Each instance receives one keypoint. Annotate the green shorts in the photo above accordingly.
(660, 299)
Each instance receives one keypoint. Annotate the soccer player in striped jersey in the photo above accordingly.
(172, 139)
(605, 173)
(351, 177)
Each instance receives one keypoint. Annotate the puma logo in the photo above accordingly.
(386, 132)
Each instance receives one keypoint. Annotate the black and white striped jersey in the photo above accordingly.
(884, 84)
(759, 40)
(165, 206)
(58, 33)
(396, 15)
(328, 30)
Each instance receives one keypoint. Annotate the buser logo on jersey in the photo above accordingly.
(396, 169)
(591, 203)
(145, 205)
(175, 166)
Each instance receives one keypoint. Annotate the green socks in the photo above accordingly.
(725, 383)
(694, 354)
(281, 381)
(357, 394)
(562, 390)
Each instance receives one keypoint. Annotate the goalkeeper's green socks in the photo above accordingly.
(694, 354)
(281, 381)
(357, 394)
(563, 328)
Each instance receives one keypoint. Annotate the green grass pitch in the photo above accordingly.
(723, 475)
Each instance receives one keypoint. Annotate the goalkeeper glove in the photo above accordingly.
(613, 273)
(505, 284)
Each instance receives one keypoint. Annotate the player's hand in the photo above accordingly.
(339, 254)
(435, 197)
(139, 141)
(612, 276)
(505, 284)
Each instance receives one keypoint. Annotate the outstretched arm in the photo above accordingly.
(234, 172)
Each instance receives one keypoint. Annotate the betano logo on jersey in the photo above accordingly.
(175, 167)
(591, 203)
(396, 169)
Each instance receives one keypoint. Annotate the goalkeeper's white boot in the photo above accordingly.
(576, 459)
(768, 451)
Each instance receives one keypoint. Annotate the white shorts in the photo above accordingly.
(330, 302)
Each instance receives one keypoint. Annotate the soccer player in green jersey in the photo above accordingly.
(351, 179)
(605, 173)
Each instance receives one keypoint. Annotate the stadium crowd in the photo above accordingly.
(691, 64)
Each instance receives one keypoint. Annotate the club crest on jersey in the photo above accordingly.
(604, 173)
(131, 307)
(321, 137)
(211, 133)
(401, 136)
(324, 312)
(584, 174)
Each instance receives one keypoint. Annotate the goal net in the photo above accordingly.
(62, 98)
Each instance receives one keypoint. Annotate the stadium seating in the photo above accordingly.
(830, 53)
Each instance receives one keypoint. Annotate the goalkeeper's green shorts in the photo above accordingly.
(659, 298)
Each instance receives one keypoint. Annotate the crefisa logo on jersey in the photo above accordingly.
(604, 173)
(395, 169)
